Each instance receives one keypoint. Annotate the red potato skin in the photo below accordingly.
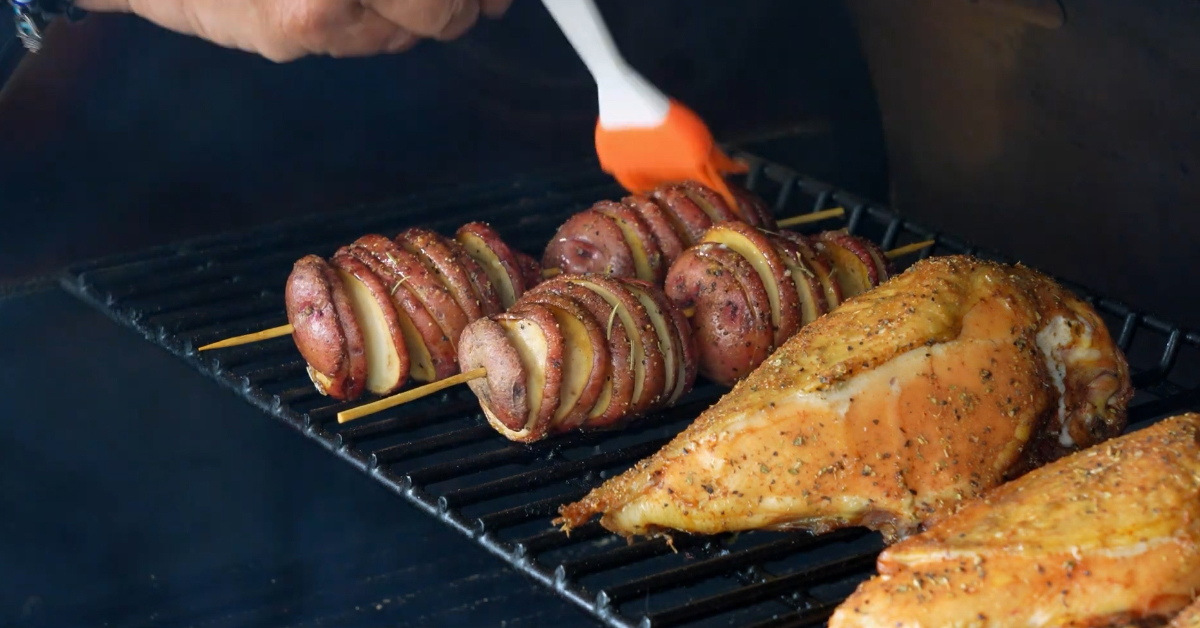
(601, 358)
(527, 313)
(346, 260)
(713, 203)
(431, 248)
(590, 242)
(732, 320)
(753, 208)
(620, 367)
(653, 360)
(820, 264)
(507, 256)
(504, 393)
(861, 248)
(324, 328)
(790, 316)
(689, 220)
(531, 271)
(441, 352)
(428, 289)
(654, 255)
(660, 225)
(489, 299)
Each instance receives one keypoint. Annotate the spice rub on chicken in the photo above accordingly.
(1109, 536)
(888, 412)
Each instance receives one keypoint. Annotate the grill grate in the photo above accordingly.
(440, 454)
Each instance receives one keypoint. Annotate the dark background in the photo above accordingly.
(136, 492)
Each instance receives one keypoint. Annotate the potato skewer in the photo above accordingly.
(535, 375)
(659, 214)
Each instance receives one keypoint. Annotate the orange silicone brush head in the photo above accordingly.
(680, 148)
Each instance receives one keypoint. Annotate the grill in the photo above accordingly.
(440, 454)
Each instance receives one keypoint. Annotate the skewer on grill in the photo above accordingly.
(671, 216)
(590, 351)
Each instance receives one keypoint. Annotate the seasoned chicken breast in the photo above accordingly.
(1105, 537)
(888, 412)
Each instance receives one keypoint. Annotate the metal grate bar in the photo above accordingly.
(622, 556)
(527, 512)
(761, 592)
(367, 429)
(539, 477)
(447, 440)
(555, 539)
(814, 615)
(695, 572)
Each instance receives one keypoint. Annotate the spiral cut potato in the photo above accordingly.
(579, 352)
(641, 235)
(383, 311)
(752, 289)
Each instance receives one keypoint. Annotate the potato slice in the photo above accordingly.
(425, 285)
(655, 217)
(713, 203)
(590, 242)
(818, 262)
(855, 271)
(504, 393)
(431, 249)
(616, 393)
(674, 337)
(645, 352)
(647, 257)
(753, 208)
(689, 220)
(585, 365)
(535, 334)
(325, 329)
(664, 330)
(429, 358)
(754, 245)
(485, 246)
(383, 340)
(732, 318)
(808, 288)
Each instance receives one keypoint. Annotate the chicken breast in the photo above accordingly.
(888, 413)
(1105, 537)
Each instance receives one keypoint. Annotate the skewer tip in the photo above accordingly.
(266, 334)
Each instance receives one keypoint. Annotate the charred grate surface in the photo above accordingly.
(440, 454)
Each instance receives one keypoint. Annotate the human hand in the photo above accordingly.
(285, 30)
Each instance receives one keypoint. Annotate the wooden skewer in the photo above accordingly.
(551, 272)
(274, 332)
(813, 217)
(909, 248)
(409, 395)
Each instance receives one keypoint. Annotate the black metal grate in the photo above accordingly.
(440, 454)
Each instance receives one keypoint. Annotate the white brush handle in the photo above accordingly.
(627, 100)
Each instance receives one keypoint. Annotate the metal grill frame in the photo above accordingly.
(182, 296)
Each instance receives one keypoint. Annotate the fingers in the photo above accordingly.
(285, 30)
(436, 19)
(494, 8)
(370, 33)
